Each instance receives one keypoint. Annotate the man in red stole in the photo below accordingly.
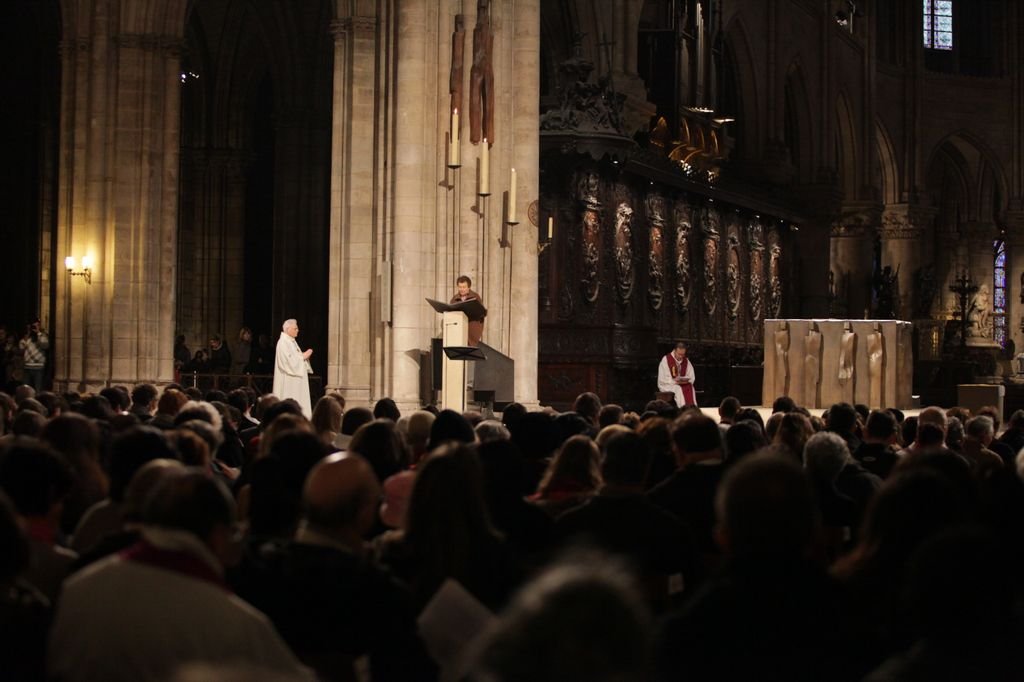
(675, 375)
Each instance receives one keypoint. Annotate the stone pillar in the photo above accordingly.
(851, 260)
(523, 294)
(906, 245)
(354, 326)
(120, 124)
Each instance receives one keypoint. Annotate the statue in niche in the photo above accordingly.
(624, 252)
(876, 367)
(590, 280)
(682, 260)
(657, 271)
(458, 58)
(782, 359)
(774, 275)
(847, 360)
(481, 78)
(732, 277)
(886, 285)
(812, 367)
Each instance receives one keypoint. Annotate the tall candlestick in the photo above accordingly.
(512, 198)
(485, 170)
(551, 227)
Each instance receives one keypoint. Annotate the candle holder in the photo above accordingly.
(542, 246)
(508, 219)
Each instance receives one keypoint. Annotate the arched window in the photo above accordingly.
(999, 292)
(937, 21)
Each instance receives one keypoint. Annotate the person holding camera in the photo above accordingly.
(33, 347)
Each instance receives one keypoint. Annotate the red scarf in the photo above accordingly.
(678, 368)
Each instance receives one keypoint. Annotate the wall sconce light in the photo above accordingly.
(71, 263)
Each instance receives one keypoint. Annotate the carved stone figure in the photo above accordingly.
(774, 275)
(590, 281)
(732, 277)
(981, 314)
(876, 367)
(812, 367)
(585, 106)
(710, 261)
(683, 227)
(847, 360)
(481, 78)
(656, 254)
(782, 359)
(624, 276)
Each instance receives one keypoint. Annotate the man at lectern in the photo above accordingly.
(476, 324)
(676, 376)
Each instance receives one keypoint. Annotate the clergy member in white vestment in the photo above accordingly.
(292, 370)
(676, 376)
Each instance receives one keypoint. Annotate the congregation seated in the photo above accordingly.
(142, 613)
(796, 560)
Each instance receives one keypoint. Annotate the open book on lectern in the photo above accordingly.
(473, 308)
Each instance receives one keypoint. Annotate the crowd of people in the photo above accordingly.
(153, 534)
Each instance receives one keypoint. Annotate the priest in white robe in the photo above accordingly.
(676, 376)
(292, 369)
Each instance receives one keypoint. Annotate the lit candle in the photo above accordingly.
(485, 169)
(551, 227)
(512, 199)
(453, 141)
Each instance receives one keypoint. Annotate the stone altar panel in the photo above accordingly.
(897, 369)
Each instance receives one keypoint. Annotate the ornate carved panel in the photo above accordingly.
(710, 227)
(732, 274)
(774, 274)
(590, 237)
(681, 216)
(656, 253)
(755, 242)
(625, 278)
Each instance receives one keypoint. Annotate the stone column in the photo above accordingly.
(523, 296)
(851, 255)
(417, 169)
(354, 326)
(905, 245)
(120, 124)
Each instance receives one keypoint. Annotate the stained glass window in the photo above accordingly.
(937, 22)
(999, 292)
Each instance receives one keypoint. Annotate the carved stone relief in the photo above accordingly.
(756, 245)
(683, 228)
(624, 275)
(656, 254)
(590, 233)
(711, 237)
(732, 274)
(774, 274)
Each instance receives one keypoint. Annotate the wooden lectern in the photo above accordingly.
(455, 335)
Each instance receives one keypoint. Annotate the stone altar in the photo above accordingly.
(895, 357)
